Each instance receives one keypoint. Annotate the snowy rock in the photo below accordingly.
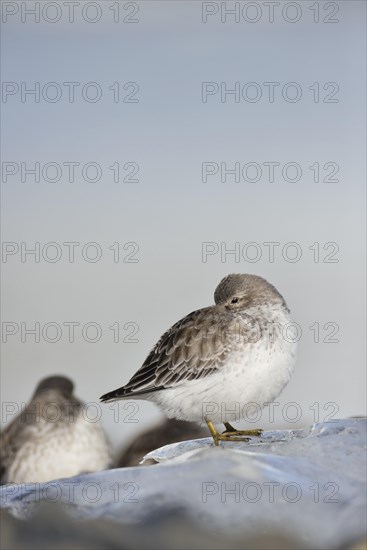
(308, 484)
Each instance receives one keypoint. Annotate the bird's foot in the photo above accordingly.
(235, 436)
(231, 431)
(229, 434)
(246, 433)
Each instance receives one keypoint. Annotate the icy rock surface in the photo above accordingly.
(309, 483)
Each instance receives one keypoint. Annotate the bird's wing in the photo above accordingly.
(194, 347)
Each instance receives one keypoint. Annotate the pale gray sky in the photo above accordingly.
(162, 141)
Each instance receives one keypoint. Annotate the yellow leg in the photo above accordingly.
(215, 435)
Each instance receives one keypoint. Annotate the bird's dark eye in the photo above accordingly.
(234, 300)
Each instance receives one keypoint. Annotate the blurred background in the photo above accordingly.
(122, 85)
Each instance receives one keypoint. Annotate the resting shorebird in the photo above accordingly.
(52, 437)
(217, 360)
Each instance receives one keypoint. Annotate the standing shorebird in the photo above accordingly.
(52, 437)
(215, 361)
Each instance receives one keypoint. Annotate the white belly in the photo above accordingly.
(256, 376)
